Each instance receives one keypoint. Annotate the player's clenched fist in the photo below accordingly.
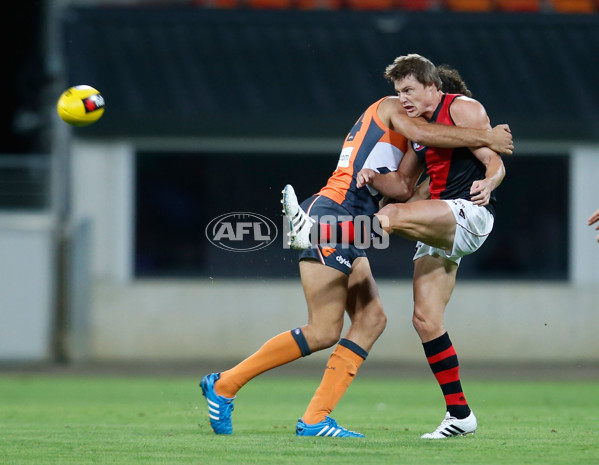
(364, 177)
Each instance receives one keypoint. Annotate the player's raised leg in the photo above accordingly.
(428, 221)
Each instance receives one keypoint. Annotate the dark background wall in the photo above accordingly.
(247, 73)
(24, 78)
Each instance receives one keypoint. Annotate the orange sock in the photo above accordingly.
(279, 350)
(341, 369)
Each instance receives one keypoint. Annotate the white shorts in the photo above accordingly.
(474, 224)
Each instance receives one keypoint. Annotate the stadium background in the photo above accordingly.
(103, 256)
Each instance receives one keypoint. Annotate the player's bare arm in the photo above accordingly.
(390, 184)
(470, 113)
(397, 185)
(422, 132)
(480, 190)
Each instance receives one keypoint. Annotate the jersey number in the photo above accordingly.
(355, 129)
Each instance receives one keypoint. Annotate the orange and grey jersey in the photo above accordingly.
(369, 144)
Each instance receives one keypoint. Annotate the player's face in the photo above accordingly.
(417, 99)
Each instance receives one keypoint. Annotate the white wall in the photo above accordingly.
(584, 200)
(190, 320)
(27, 281)
(187, 320)
(102, 184)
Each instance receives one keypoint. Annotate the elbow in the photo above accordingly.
(499, 175)
(403, 194)
(419, 134)
(502, 173)
(501, 170)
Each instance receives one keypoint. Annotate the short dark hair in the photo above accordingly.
(422, 69)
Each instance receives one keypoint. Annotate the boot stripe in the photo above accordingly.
(322, 431)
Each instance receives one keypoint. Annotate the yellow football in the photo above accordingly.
(80, 105)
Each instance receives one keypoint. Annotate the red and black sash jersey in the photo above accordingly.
(451, 171)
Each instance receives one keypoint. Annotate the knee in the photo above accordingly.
(324, 337)
(372, 321)
(390, 217)
(385, 219)
(425, 324)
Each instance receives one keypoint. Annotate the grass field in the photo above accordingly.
(120, 420)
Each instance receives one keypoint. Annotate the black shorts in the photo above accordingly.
(338, 256)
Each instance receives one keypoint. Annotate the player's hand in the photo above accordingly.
(502, 140)
(593, 219)
(480, 192)
(364, 177)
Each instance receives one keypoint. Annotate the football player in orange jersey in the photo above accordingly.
(337, 278)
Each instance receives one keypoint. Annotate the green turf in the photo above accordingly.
(72, 420)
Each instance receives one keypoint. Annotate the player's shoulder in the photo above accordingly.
(388, 109)
(466, 102)
(390, 102)
(468, 111)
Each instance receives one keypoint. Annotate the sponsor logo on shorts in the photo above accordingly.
(343, 261)
(326, 251)
(241, 232)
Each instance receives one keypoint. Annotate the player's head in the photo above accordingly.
(417, 83)
(416, 66)
(452, 82)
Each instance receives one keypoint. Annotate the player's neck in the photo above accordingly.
(433, 104)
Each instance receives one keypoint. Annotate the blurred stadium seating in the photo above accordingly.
(370, 4)
(573, 6)
(465, 6)
(270, 4)
(469, 5)
(319, 4)
(416, 5)
(530, 6)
